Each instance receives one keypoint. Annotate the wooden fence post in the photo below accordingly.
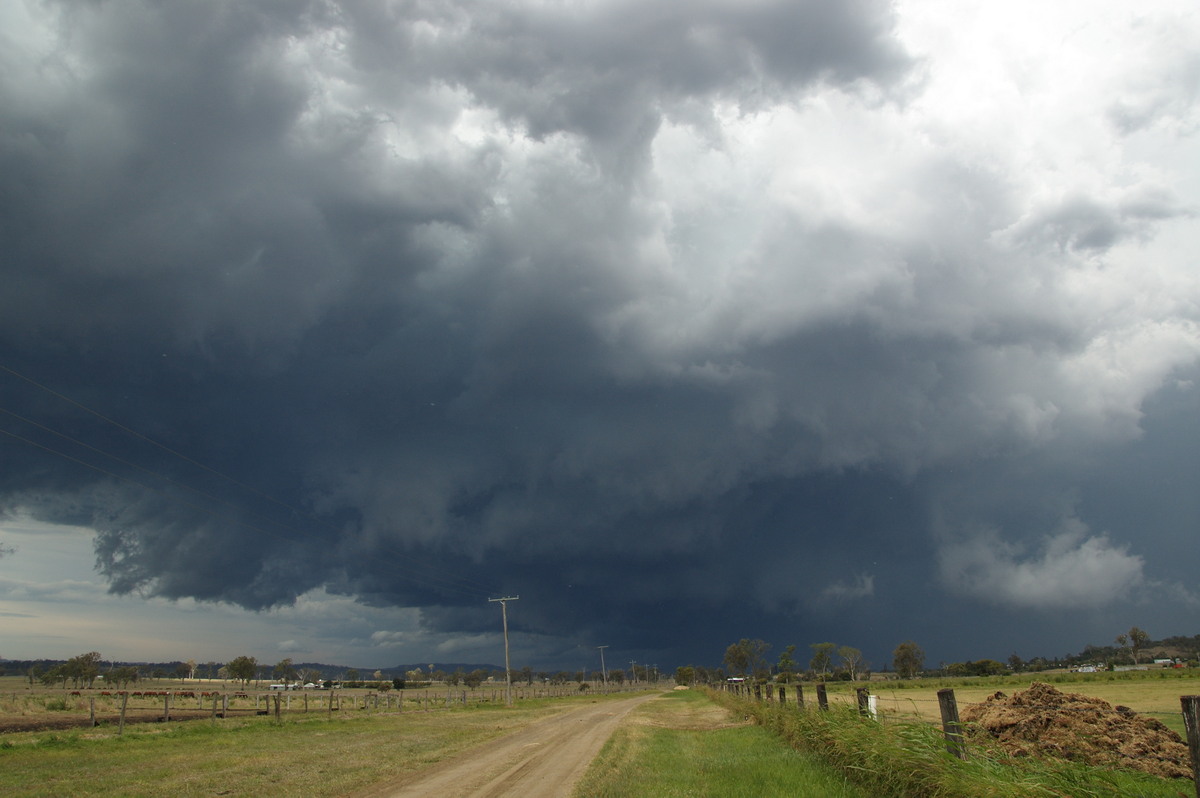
(277, 719)
(214, 712)
(951, 727)
(863, 701)
(166, 707)
(799, 696)
(822, 697)
(224, 705)
(92, 710)
(782, 696)
(121, 725)
(1191, 723)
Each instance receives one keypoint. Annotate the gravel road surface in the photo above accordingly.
(543, 760)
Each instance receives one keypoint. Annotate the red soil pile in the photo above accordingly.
(1042, 721)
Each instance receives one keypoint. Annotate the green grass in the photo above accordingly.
(313, 756)
(908, 758)
(651, 757)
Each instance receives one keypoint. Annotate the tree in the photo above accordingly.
(685, 675)
(243, 668)
(852, 660)
(787, 664)
(284, 670)
(822, 659)
(182, 671)
(1137, 641)
(736, 657)
(908, 659)
(352, 675)
(122, 676)
(1015, 663)
(83, 668)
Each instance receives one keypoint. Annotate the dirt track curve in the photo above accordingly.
(543, 760)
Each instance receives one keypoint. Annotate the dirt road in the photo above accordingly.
(543, 760)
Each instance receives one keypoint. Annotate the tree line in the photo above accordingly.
(748, 658)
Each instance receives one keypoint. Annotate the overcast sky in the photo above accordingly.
(323, 323)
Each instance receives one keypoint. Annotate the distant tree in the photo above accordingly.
(284, 671)
(83, 668)
(852, 661)
(527, 675)
(55, 675)
(736, 658)
(1137, 641)
(243, 669)
(787, 664)
(191, 663)
(617, 676)
(474, 678)
(822, 659)
(685, 675)
(378, 675)
(747, 657)
(352, 675)
(122, 676)
(310, 676)
(908, 659)
(182, 671)
(1015, 663)
(457, 676)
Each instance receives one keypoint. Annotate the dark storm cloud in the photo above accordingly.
(425, 281)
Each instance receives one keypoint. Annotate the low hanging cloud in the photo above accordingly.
(862, 586)
(1072, 570)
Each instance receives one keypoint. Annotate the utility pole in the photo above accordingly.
(507, 668)
(633, 671)
(603, 670)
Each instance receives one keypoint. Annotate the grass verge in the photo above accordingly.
(684, 745)
(908, 758)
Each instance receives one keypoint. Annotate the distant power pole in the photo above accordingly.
(633, 671)
(603, 670)
(507, 668)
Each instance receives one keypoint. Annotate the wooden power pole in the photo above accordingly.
(507, 668)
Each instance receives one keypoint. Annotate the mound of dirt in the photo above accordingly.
(1042, 721)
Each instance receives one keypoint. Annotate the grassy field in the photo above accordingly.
(313, 755)
(684, 745)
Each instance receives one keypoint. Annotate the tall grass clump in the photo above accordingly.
(908, 759)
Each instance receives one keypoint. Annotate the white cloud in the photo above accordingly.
(1073, 570)
(861, 586)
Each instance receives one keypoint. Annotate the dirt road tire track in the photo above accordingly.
(543, 760)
